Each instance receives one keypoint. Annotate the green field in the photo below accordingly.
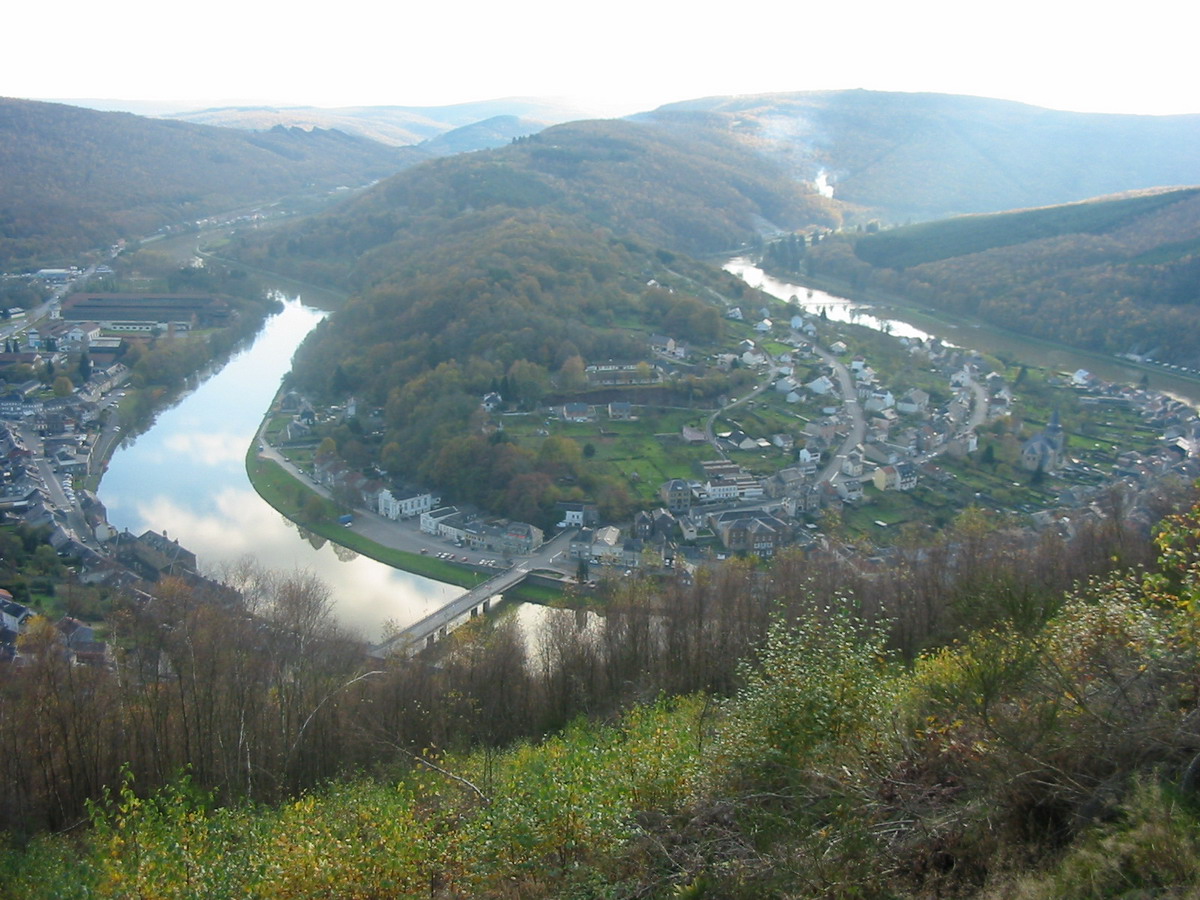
(642, 453)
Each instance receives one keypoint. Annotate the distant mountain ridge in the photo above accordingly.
(483, 135)
(75, 177)
(926, 156)
(396, 125)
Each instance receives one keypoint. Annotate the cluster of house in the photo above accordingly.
(765, 525)
(1135, 472)
(127, 561)
(58, 335)
(748, 513)
(99, 323)
(24, 495)
(661, 538)
(653, 541)
(464, 527)
(77, 643)
(152, 555)
(467, 528)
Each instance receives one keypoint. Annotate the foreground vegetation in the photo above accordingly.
(967, 725)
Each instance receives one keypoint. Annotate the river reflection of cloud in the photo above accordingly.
(367, 594)
(186, 476)
(208, 448)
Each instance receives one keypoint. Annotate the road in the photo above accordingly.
(979, 409)
(710, 435)
(858, 421)
(56, 494)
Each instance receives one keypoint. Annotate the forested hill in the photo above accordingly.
(524, 263)
(927, 156)
(73, 178)
(1117, 274)
(694, 191)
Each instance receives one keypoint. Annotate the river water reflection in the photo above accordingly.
(975, 335)
(186, 476)
(816, 302)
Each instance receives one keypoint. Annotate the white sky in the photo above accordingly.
(620, 56)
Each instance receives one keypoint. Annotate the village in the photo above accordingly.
(857, 438)
(60, 420)
(828, 436)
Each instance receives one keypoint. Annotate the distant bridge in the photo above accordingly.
(436, 625)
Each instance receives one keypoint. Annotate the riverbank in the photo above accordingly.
(996, 340)
(289, 493)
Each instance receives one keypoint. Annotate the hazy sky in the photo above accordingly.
(619, 56)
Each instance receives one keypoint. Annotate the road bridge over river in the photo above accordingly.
(436, 625)
(476, 601)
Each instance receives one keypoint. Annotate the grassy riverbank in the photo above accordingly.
(302, 505)
(292, 498)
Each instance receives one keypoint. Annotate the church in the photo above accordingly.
(1045, 451)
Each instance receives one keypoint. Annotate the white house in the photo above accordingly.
(852, 465)
(407, 504)
(431, 519)
(721, 489)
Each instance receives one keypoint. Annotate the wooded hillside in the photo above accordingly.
(1117, 275)
(72, 179)
(522, 265)
(928, 156)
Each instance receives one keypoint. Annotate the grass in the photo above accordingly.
(642, 453)
(535, 593)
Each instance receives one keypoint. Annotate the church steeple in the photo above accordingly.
(1054, 433)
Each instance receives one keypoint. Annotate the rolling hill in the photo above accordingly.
(77, 178)
(520, 265)
(926, 156)
(396, 125)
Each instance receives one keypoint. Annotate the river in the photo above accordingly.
(963, 332)
(186, 476)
